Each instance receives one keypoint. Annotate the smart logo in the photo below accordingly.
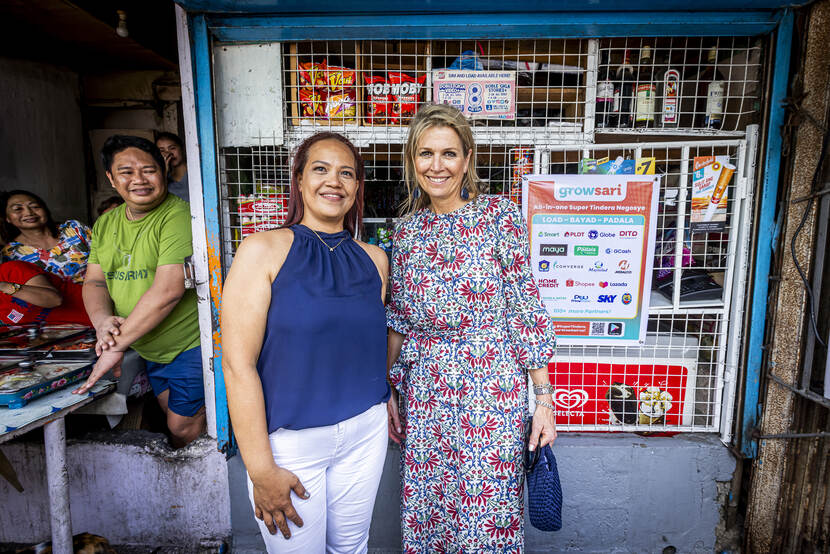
(584, 193)
(544, 266)
(553, 249)
(607, 298)
(626, 298)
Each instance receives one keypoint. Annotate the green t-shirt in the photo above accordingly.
(129, 253)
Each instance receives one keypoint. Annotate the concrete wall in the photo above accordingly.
(41, 136)
(129, 487)
(622, 493)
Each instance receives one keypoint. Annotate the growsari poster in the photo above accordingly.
(592, 252)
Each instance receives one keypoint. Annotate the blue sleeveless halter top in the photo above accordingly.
(323, 357)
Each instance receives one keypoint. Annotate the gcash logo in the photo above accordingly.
(607, 298)
(553, 249)
(544, 266)
(628, 234)
(584, 193)
(618, 251)
(626, 298)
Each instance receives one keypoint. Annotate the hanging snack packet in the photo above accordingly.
(312, 103)
(340, 78)
(312, 74)
(341, 106)
(406, 94)
(377, 99)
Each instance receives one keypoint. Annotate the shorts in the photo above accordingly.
(183, 378)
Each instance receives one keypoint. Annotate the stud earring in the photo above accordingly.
(465, 194)
(416, 193)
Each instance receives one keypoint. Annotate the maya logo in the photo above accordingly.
(578, 193)
(570, 399)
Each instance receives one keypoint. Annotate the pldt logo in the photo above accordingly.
(607, 298)
(553, 249)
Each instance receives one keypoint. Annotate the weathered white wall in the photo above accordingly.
(41, 136)
(128, 487)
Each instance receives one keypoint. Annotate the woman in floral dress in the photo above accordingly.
(467, 327)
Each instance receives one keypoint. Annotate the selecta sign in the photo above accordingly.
(588, 231)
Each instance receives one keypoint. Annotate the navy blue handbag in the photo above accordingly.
(544, 491)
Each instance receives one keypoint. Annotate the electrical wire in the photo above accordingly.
(816, 176)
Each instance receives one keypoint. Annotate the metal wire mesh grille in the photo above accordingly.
(368, 91)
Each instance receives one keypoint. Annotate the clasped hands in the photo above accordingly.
(110, 354)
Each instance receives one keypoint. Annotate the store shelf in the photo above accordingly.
(556, 95)
(363, 136)
(659, 304)
(679, 132)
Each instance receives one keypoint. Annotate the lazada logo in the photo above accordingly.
(587, 192)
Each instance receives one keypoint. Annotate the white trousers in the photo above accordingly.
(340, 466)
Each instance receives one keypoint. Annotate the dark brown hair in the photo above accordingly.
(354, 218)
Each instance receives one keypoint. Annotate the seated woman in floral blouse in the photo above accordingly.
(31, 235)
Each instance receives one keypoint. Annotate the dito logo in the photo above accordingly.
(626, 298)
(583, 193)
(615, 329)
(553, 249)
(608, 298)
(586, 250)
(570, 399)
(544, 266)
(603, 284)
(628, 234)
(592, 234)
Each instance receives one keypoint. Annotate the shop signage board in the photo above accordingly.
(479, 94)
(592, 253)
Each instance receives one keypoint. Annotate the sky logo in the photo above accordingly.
(607, 298)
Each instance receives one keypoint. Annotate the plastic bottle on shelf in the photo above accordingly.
(646, 91)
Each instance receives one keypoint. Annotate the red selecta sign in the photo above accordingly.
(603, 392)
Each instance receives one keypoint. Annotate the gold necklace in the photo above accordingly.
(331, 248)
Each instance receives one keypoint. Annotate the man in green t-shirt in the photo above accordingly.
(134, 289)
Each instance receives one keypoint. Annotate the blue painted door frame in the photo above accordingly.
(289, 27)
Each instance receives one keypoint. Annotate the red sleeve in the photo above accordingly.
(18, 272)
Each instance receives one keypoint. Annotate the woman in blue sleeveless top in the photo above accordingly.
(304, 354)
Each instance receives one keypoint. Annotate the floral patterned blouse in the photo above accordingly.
(464, 297)
(67, 259)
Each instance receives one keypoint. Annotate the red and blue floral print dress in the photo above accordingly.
(464, 297)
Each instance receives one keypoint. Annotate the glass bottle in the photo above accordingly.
(646, 91)
(668, 95)
(605, 92)
(624, 91)
(711, 93)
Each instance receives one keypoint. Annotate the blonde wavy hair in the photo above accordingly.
(428, 116)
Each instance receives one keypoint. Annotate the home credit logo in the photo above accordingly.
(589, 193)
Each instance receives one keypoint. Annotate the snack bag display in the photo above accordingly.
(406, 94)
(339, 78)
(264, 210)
(312, 103)
(341, 106)
(377, 99)
(312, 74)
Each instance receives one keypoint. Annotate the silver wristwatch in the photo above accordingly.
(547, 388)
